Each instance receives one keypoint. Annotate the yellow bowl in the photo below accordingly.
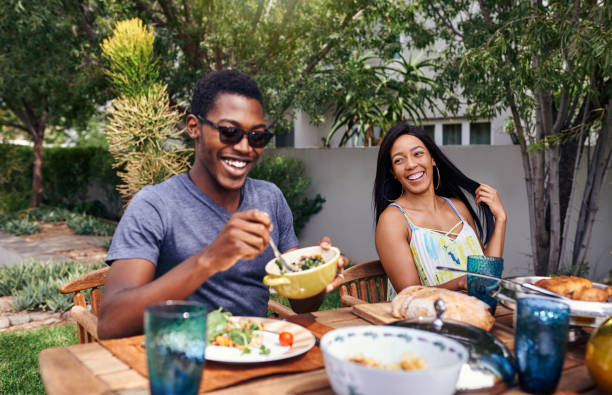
(307, 283)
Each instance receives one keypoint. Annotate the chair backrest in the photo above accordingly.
(86, 320)
(365, 281)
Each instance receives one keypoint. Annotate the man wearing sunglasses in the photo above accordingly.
(204, 235)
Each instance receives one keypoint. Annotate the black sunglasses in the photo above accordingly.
(232, 135)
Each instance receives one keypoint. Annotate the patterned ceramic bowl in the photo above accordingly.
(387, 345)
(306, 283)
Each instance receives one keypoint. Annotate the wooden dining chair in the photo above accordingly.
(86, 317)
(364, 283)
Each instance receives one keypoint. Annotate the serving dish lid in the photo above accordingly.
(490, 362)
(582, 313)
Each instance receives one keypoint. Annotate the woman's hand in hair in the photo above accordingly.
(489, 196)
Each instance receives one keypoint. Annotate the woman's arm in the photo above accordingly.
(393, 245)
(489, 196)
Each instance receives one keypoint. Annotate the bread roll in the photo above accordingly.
(403, 296)
(418, 301)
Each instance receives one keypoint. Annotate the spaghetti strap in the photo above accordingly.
(450, 232)
(454, 209)
(412, 227)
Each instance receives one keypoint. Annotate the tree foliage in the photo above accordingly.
(371, 92)
(292, 48)
(550, 63)
(47, 69)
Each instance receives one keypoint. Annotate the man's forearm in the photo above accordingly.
(122, 310)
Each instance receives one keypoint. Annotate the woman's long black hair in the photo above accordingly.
(452, 182)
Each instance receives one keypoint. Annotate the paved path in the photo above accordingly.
(14, 249)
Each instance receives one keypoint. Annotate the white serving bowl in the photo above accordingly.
(444, 358)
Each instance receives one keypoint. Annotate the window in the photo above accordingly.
(286, 139)
(430, 131)
(480, 133)
(451, 134)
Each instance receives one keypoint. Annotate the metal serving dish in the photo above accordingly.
(582, 313)
(490, 367)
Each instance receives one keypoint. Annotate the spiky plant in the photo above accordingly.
(129, 52)
(142, 131)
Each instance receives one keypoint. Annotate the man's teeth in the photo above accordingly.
(235, 163)
(416, 176)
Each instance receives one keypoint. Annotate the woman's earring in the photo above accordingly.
(437, 185)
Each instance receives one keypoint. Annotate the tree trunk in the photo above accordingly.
(596, 177)
(539, 197)
(37, 175)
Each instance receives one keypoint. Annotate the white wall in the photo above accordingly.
(309, 135)
(345, 178)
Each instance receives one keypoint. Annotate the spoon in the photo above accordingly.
(280, 258)
(528, 286)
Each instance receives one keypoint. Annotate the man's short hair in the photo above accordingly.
(222, 81)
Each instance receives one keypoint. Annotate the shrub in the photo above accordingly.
(34, 285)
(19, 226)
(14, 201)
(71, 175)
(142, 123)
(106, 245)
(83, 224)
(49, 214)
(288, 175)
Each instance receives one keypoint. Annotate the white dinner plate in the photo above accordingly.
(303, 340)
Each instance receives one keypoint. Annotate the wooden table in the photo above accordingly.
(92, 369)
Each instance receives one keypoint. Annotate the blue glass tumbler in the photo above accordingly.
(175, 333)
(481, 287)
(540, 340)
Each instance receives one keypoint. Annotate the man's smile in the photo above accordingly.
(239, 164)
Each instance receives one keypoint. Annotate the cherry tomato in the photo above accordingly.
(285, 338)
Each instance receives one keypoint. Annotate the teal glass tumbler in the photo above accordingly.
(482, 287)
(175, 336)
(540, 341)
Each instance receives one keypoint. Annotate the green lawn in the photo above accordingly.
(19, 351)
(332, 300)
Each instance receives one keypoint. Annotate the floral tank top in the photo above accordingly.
(431, 248)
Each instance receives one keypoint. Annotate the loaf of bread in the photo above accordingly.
(418, 301)
(575, 287)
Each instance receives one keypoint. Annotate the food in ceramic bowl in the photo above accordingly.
(303, 283)
(434, 361)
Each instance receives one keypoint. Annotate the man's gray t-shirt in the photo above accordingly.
(169, 222)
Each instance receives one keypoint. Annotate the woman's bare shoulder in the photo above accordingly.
(391, 213)
(391, 219)
(462, 208)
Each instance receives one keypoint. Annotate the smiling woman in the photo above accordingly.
(423, 215)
